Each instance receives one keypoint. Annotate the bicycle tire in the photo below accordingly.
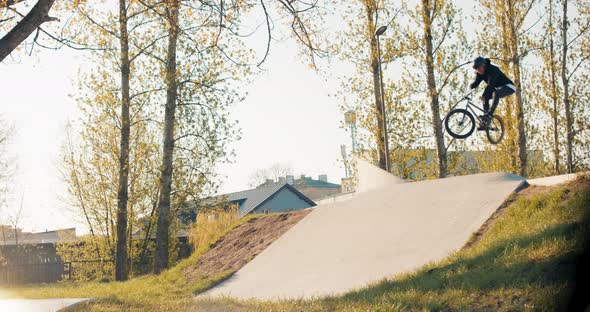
(496, 120)
(467, 114)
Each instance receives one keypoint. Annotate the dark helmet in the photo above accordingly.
(478, 62)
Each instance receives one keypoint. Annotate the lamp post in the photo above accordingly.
(378, 33)
(350, 121)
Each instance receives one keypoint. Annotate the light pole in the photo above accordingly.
(350, 121)
(345, 160)
(378, 33)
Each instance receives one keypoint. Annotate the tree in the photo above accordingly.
(273, 172)
(205, 29)
(18, 33)
(506, 37)
(550, 87)
(442, 51)
(15, 217)
(7, 168)
(162, 231)
(357, 44)
(574, 57)
(121, 269)
(6, 164)
(120, 37)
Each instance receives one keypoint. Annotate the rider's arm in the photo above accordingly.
(477, 81)
(493, 73)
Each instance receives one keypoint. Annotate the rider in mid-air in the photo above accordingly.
(498, 86)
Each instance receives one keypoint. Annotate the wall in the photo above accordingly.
(315, 193)
(283, 201)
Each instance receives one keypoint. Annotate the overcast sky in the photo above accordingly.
(288, 117)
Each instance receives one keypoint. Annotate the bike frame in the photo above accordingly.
(470, 106)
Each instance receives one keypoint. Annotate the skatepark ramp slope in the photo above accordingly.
(390, 228)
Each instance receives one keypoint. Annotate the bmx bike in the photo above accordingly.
(460, 122)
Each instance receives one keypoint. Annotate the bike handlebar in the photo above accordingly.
(468, 95)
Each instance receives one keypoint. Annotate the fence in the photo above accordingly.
(49, 272)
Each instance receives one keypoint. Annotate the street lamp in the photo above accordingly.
(378, 33)
(350, 121)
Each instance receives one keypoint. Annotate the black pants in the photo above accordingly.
(499, 93)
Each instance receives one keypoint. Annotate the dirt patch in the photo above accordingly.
(533, 190)
(242, 244)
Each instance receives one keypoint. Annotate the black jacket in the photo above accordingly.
(494, 78)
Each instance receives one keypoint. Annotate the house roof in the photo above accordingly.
(251, 199)
(309, 182)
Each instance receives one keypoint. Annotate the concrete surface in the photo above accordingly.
(390, 228)
(38, 305)
(554, 180)
(370, 177)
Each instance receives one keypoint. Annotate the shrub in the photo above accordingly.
(211, 225)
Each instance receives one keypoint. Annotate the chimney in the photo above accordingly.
(323, 178)
(282, 180)
(290, 179)
(269, 181)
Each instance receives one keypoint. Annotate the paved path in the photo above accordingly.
(554, 180)
(37, 305)
(387, 229)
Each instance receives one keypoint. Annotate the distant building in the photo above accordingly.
(313, 189)
(8, 236)
(263, 199)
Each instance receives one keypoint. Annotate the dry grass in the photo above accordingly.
(211, 225)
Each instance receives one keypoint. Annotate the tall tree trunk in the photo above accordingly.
(432, 92)
(522, 148)
(163, 225)
(38, 15)
(375, 69)
(554, 95)
(121, 272)
(566, 91)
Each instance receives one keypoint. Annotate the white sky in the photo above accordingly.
(287, 117)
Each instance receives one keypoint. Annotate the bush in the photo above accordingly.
(211, 225)
(86, 265)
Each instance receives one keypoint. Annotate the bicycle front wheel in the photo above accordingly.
(495, 131)
(460, 123)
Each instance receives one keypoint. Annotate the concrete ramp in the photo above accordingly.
(376, 234)
(371, 177)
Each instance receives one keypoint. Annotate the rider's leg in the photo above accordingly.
(500, 92)
(485, 101)
(484, 119)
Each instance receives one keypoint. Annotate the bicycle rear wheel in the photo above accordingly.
(460, 123)
(495, 131)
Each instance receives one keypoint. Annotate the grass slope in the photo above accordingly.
(524, 261)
